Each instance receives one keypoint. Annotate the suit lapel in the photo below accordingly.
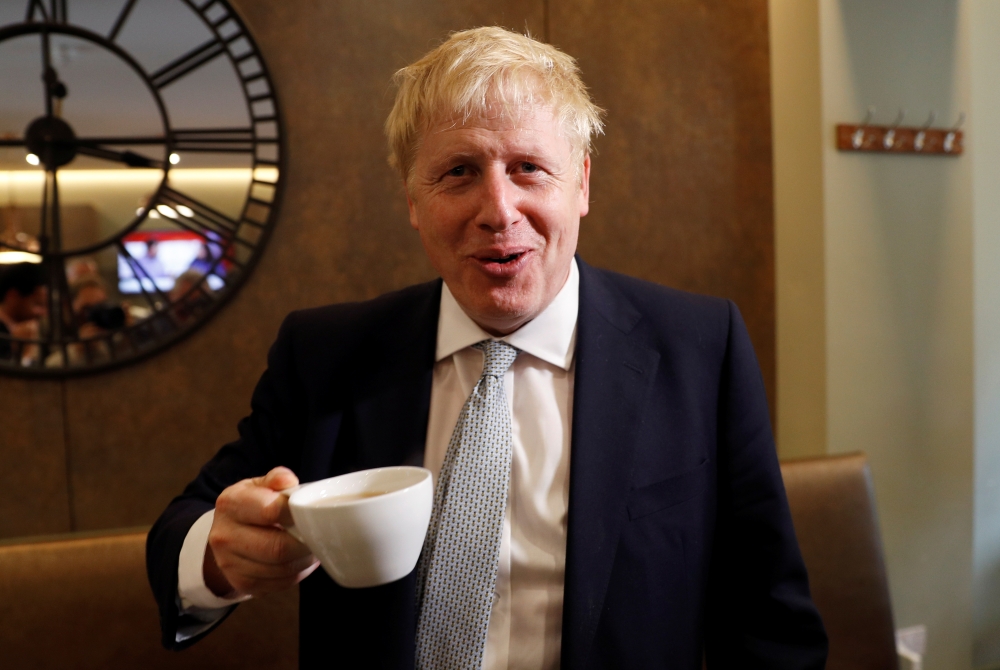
(392, 409)
(613, 376)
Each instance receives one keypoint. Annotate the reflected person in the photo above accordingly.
(642, 520)
(151, 263)
(23, 304)
(190, 296)
(95, 318)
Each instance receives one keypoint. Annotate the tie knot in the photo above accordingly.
(499, 356)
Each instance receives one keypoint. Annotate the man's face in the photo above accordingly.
(88, 297)
(26, 307)
(497, 203)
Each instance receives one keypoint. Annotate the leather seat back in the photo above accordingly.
(85, 603)
(832, 503)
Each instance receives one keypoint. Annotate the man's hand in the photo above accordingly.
(248, 552)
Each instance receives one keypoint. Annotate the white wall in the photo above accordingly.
(896, 287)
(984, 21)
(800, 309)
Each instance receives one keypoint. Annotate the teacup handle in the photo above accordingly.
(291, 529)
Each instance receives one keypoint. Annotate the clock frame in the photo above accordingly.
(233, 244)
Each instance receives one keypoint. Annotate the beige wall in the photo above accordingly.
(983, 19)
(892, 284)
(800, 309)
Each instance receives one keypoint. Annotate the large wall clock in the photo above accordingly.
(141, 157)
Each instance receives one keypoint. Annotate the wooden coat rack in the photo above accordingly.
(899, 139)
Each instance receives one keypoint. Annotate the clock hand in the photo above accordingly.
(95, 141)
(130, 158)
(55, 233)
(92, 147)
(60, 306)
(92, 141)
(211, 140)
(48, 74)
(43, 235)
(55, 90)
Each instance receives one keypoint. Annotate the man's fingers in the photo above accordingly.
(252, 502)
(256, 560)
(249, 579)
(246, 568)
(252, 553)
(269, 546)
(278, 479)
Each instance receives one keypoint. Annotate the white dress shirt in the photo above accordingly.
(525, 629)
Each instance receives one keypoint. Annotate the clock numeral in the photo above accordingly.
(221, 140)
(120, 21)
(219, 13)
(190, 61)
(56, 12)
(261, 203)
(36, 6)
(199, 218)
(143, 277)
(249, 79)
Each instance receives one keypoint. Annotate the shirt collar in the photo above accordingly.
(550, 336)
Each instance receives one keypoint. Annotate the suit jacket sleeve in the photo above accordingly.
(760, 614)
(267, 438)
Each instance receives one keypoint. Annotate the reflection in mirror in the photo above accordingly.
(140, 157)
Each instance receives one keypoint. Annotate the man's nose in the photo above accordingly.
(499, 205)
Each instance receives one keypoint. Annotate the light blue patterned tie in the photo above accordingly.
(457, 573)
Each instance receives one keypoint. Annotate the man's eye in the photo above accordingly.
(529, 167)
(457, 171)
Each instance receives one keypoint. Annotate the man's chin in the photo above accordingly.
(502, 313)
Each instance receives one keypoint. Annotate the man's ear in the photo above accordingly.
(412, 207)
(585, 186)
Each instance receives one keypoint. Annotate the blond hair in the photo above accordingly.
(485, 70)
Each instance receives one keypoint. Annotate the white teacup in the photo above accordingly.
(366, 528)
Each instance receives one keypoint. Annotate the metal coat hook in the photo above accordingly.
(920, 139)
(858, 138)
(889, 139)
(949, 139)
(925, 140)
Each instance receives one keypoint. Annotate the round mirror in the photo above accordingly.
(140, 173)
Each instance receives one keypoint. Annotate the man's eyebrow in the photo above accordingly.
(462, 155)
(437, 163)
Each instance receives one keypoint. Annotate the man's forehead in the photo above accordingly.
(530, 130)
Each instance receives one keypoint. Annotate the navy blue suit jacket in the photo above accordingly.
(680, 545)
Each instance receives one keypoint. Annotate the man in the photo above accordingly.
(151, 263)
(641, 521)
(23, 302)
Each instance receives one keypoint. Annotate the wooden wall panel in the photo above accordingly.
(681, 195)
(35, 498)
(681, 186)
(139, 434)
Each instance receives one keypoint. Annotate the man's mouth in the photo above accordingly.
(504, 259)
(503, 263)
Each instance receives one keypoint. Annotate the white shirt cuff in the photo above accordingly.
(191, 589)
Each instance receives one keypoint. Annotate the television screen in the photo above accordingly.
(163, 256)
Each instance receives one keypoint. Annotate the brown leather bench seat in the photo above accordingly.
(84, 602)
